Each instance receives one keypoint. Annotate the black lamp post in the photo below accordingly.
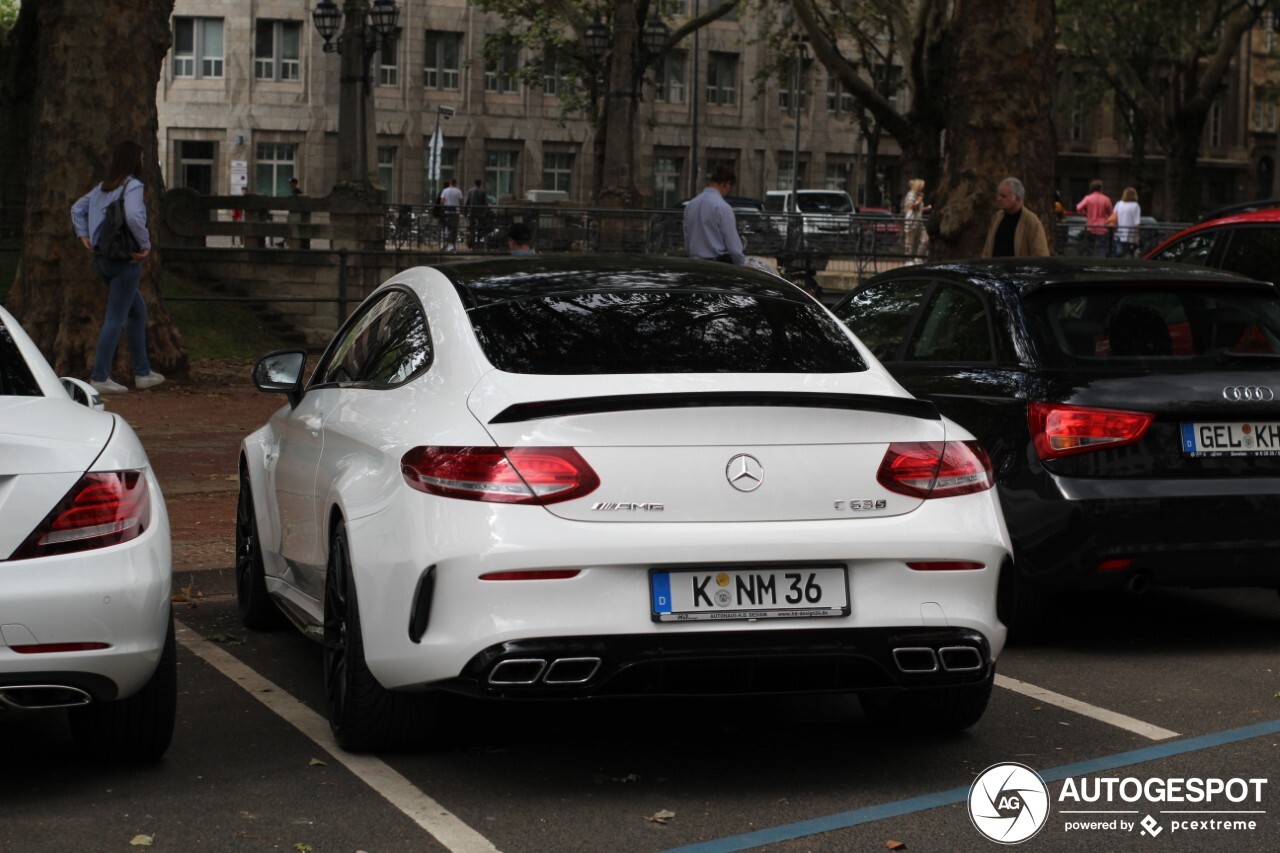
(364, 28)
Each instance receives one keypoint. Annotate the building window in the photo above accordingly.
(386, 63)
(387, 171)
(785, 94)
(276, 165)
(784, 171)
(722, 79)
(197, 47)
(837, 175)
(666, 181)
(669, 82)
(1264, 111)
(275, 50)
(555, 79)
(500, 72)
(440, 65)
(500, 172)
(839, 99)
(195, 166)
(557, 170)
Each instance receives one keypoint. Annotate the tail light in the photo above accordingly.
(517, 475)
(1058, 430)
(935, 469)
(104, 508)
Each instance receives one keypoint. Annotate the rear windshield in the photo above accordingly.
(825, 203)
(668, 331)
(1157, 326)
(16, 379)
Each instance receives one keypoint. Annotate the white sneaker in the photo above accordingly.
(106, 386)
(151, 380)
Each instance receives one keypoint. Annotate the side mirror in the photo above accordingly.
(281, 371)
(83, 393)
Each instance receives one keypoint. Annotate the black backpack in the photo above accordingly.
(115, 241)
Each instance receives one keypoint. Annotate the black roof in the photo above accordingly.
(1030, 273)
(492, 280)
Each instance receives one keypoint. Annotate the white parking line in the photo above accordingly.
(1084, 708)
(399, 791)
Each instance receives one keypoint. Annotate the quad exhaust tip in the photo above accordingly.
(923, 659)
(558, 671)
(42, 697)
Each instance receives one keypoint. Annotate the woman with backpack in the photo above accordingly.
(107, 234)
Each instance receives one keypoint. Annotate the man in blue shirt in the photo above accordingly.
(710, 227)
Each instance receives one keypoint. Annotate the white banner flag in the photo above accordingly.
(433, 155)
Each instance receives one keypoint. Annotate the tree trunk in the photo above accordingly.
(618, 180)
(95, 84)
(1180, 165)
(1000, 63)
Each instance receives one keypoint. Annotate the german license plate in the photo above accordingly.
(772, 592)
(1249, 438)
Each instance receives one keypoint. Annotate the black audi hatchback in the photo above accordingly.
(1129, 408)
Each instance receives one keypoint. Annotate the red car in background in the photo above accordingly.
(1244, 239)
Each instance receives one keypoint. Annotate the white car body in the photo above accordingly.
(664, 501)
(112, 603)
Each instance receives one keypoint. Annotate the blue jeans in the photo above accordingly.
(125, 311)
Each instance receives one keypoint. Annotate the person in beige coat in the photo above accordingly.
(1015, 231)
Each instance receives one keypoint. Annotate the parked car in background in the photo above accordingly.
(1247, 242)
(881, 228)
(1131, 411)
(85, 614)
(825, 217)
(569, 477)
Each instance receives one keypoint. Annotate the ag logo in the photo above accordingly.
(1008, 803)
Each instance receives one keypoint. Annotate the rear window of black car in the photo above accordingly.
(666, 331)
(16, 379)
(1174, 326)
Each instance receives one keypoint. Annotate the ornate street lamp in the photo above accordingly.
(654, 36)
(597, 37)
(364, 30)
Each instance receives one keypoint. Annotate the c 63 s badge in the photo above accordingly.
(860, 506)
(610, 506)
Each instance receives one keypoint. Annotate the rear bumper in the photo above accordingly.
(1095, 533)
(727, 663)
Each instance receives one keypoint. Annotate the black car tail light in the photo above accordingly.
(519, 475)
(102, 509)
(1059, 430)
(935, 469)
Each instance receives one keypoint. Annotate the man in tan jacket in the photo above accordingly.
(1015, 231)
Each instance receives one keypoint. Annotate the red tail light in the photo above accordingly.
(102, 509)
(1058, 430)
(935, 469)
(518, 475)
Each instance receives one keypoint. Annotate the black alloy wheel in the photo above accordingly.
(257, 611)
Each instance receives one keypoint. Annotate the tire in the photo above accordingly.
(257, 610)
(137, 729)
(936, 710)
(363, 715)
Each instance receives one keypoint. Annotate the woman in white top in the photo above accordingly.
(914, 209)
(1128, 215)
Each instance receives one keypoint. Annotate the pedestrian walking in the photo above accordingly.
(126, 310)
(450, 201)
(476, 205)
(710, 226)
(1015, 232)
(1128, 214)
(1096, 207)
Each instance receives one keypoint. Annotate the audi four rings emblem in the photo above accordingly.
(745, 473)
(1248, 393)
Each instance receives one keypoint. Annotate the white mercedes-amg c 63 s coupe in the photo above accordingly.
(568, 477)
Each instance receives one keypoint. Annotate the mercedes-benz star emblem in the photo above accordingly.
(745, 472)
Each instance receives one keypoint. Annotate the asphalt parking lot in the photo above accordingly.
(1170, 685)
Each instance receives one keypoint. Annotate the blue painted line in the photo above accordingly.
(871, 814)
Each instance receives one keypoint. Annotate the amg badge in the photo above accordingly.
(608, 506)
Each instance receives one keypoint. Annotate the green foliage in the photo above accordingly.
(8, 14)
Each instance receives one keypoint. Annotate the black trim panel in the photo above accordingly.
(905, 406)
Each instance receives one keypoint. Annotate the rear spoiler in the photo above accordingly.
(905, 406)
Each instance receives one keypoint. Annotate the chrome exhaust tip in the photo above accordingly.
(42, 697)
(571, 670)
(517, 671)
(916, 659)
(960, 658)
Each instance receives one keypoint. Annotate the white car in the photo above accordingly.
(85, 613)
(572, 476)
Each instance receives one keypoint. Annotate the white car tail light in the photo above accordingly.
(1058, 430)
(104, 508)
(520, 475)
(935, 469)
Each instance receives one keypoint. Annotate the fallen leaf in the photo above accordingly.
(896, 845)
(662, 816)
(226, 639)
(303, 848)
(315, 762)
(141, 841)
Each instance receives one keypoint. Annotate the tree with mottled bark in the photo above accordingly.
(1165, 63)
(74, 82)
(979, 79)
